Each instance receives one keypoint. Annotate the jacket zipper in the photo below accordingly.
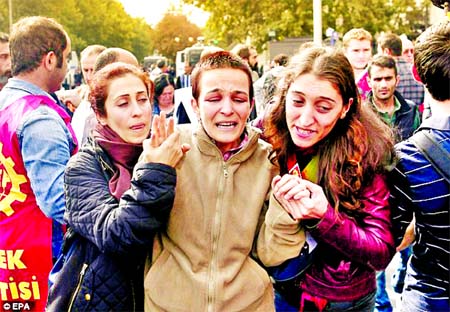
(77, 289)
(215, 237)
(105, 165)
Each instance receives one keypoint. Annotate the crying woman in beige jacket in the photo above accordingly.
(203, 261)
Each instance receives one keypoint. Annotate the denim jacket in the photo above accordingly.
(46, 146)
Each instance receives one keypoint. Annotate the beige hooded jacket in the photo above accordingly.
(204, 262)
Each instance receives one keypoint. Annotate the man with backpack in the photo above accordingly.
(420, 182)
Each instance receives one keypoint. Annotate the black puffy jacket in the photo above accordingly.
(101, 267)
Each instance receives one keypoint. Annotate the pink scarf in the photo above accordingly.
(123, 155)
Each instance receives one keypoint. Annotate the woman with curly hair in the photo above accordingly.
(333, 155)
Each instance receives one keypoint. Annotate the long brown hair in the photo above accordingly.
(358, 146)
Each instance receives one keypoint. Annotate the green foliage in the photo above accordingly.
(233, 21)
(87, 22)
(173, 33)
(106, 22)
(398, 16)
(4, 18)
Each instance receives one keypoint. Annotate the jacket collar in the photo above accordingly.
(404, 106)
(436, 122)
(25, 86)
(207, 146)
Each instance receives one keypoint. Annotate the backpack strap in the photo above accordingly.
(434, 152)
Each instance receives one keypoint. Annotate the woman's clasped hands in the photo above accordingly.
(301, 198)
(164, 145)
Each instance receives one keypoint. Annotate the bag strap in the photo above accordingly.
(434, 152)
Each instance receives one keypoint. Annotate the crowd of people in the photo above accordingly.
(291, 190)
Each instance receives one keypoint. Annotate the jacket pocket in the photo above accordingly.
(252, 283)
(167, 287)
(235, 289)
(68, 276)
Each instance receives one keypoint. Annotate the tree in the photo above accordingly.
(87, 22)
(398, 16)
(65, 12)
(173, 33)
(234, 21)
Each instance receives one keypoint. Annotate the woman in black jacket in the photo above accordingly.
(115, 203)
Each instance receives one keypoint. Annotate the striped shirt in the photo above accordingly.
(417, 189)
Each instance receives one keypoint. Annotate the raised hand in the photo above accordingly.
(164, 145)
(301, 198)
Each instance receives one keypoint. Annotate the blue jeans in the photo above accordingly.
(398, 277)
(365, 304)
(382, 302)
(414, 300)
(281, 305)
